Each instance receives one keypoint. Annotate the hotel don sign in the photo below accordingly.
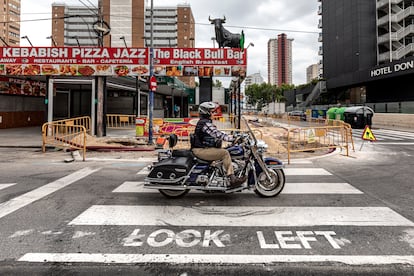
(93, 61)
(392, 69)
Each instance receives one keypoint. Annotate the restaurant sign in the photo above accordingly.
(93, 61)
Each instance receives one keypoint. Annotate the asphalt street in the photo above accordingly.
(337, 215)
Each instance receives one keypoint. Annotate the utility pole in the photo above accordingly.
(101, 81)
(151, 93)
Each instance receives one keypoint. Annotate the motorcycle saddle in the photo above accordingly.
(188, 154)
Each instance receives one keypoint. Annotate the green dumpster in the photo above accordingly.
(330, 114)
(339, 113)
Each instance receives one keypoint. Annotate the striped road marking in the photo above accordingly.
(6, 185)
(16, 203)
(290, 188)
(137, 160)
(239, 216)
(306, 171)
(288, 171)
(144, 171)
(216, 258)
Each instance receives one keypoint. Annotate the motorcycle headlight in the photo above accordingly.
(261, 145)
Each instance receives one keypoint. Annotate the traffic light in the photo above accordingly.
(241, 42)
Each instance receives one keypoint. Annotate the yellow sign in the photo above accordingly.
(368, 135)
(311, 136)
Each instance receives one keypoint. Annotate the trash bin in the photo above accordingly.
(339, 113)
(140, 126)
(330, 114)
(359, 116)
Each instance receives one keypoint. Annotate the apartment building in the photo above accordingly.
(312, 72)
(10, 31)
(129, 22)
(279, 60)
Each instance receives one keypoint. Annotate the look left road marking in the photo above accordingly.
(21, 201)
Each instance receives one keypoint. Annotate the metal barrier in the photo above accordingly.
(64, 135)
(84, 121)
(347, 127)
(120, 121)
(317, 138)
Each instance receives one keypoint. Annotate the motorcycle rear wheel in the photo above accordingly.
(173, 193)
(265, 188)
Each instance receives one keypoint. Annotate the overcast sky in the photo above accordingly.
(261, 20)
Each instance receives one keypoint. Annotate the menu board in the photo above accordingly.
(22, 87)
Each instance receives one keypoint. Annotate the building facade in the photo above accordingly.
(10, 31)
(279, 60)
(129, 22)
(73, 25)
(255, 78)
(368, 53)
(312, 72)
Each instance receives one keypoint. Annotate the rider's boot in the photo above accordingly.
(236, 181)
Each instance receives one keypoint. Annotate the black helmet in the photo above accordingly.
(206, 108)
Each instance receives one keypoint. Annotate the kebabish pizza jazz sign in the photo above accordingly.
(93, 61)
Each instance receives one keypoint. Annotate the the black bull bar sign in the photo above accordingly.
(92, 61)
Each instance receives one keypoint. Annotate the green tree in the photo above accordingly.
(260, 95)
(217, 83)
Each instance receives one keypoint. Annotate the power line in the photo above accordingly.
(169, 20)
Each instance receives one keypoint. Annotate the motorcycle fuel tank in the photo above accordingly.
(236, 151)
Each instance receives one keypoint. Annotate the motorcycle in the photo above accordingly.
(179, 171)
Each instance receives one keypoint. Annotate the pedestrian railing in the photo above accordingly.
(65, 136)
(120, 121)
(84, 121)
(309, 139)
(346, 126)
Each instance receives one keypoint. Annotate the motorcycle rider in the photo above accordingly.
(207, 143)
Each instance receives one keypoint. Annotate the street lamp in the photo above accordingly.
(123, 38)
(28, 40)
(214, 43)
(53, 40)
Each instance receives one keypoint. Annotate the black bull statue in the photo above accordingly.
(224, 38)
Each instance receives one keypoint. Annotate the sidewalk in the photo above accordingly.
(25, 137)
(31, 137)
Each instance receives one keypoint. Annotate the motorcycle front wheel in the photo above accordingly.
(173, 193)
(266, 188)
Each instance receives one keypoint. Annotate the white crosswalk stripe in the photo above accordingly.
(23, 200)
(385, 135)
(290, 188)
(6, 185)
(240, 216)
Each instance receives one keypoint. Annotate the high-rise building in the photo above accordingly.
(172, 27)
(73, 25)
(255, 78)
(368, 53)
(279, 60)
(129, 22)
(312, 72)
(10, 31)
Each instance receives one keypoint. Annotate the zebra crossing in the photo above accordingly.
(386, 135)
(281, 229)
